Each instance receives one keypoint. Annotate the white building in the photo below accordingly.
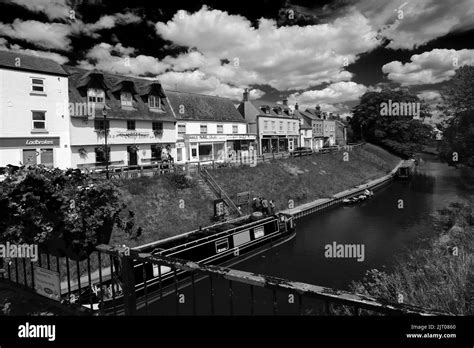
(208, 128)
(139, 119)
(32, 129)
(277, 128)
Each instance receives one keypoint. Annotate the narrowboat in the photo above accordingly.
(222, 244)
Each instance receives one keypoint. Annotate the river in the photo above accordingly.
(380, 224)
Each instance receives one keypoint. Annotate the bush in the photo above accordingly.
(67, 213)
(180, 181)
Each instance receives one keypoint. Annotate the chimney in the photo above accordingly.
(285, 101)
(246, 95)
(296, 106)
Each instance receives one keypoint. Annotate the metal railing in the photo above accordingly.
(218, 190)
(184, 287)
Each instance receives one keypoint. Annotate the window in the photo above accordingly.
(288, 126)
(181, 129)
(222, 245)
(130, 125)
(126, 98)
(37, 85)
(273, 125)
(100, 125)
(265, 124)
(157, 126)
(95, 95)
(294, 126)
(156, 152)
(258, 232)
(154, 102)
(39, 120)
(29, 156)
(220, 128)
(235, 129)
(203, 129)
(281, 125)
(100, 154)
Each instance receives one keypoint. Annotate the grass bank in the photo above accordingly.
(164, 206)
(307, 178)
(439, 274)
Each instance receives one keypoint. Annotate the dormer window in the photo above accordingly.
(277, 111)
(95, 95)
(126, 99)
(154, 102)
(266, 109)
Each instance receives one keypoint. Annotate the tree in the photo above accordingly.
(458, 131)
(397, 129)
(67, 213)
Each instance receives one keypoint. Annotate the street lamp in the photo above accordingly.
(104, 114)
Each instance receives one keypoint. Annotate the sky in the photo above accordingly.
(326, 53)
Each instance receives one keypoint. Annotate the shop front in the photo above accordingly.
(278, 143)
(29, 151)
(205, 147)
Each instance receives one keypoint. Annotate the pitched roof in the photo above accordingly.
(301, 116)
(200, 107)
(253, 108)
(79, 79)
(10, 60)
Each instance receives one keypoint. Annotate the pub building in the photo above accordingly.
(276, 126)
(209, 128)
(136, 112)
(31, 131)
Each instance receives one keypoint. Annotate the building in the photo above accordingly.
(138, 116)
(324, 130)
(209, 128)
(341, 133)
(311, 116)
(306, 131)
(277, 128)
(32, 128)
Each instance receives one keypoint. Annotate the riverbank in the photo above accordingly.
(439, 273)
(164, 206)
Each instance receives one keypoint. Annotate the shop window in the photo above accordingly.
(29, 156)
(156, 152)
(47, 157)
(205, 152)
(130, 125)
(39, 120)
(100, 154)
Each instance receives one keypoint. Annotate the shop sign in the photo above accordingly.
(29, 142)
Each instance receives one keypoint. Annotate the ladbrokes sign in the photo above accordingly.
(29, 142)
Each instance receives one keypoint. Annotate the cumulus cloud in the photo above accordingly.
(430, 67)
(4, 46)
(409, 24)
(289, 57)
(116, 59)
(57, 35)
(54, 9)
(335, 93)
(47, 35)
(198, 82)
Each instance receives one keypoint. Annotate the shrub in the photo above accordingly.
(67, 213)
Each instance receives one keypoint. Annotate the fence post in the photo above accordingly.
(128, 287)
